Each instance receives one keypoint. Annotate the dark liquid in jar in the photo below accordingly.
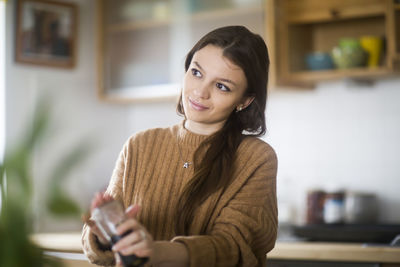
(130, 260)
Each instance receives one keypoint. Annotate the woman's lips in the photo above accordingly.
(197, 106)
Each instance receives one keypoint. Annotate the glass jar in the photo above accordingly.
(334, 208)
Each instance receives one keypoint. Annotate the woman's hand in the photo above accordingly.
(138, 241)
(99, 199)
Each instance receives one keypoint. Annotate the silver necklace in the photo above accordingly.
(186, 164)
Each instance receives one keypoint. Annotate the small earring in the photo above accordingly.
(239, 108)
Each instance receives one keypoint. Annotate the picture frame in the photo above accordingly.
(46, 33)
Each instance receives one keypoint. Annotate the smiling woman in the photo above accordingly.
(207, 186)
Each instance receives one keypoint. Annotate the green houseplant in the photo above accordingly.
(16, 248)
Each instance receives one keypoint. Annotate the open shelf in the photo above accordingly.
(300, 27)
(322, 37)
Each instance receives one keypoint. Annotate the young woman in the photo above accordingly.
(206, 187)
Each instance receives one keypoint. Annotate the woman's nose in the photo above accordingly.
(202, 90)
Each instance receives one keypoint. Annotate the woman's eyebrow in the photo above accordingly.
(198, 65)
(227, 81)
(221, 79)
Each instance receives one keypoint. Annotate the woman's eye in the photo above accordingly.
(223, 87)
(196, 73)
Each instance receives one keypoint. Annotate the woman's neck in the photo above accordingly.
(202, 128)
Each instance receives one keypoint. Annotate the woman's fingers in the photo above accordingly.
(96, 201)
(99, 199)
(93, 227)
(127, 225)
(138, 241)
(140, 249)
(132, 211)
(132, 238)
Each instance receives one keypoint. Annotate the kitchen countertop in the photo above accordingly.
(328, 251)
(296, 250)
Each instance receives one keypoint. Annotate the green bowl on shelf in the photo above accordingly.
(349, 54)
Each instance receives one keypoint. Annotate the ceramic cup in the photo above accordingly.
(373, 45)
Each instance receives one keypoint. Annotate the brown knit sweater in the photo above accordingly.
(240, 230)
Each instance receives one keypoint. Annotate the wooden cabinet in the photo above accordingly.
(298, 27)
(142, 43)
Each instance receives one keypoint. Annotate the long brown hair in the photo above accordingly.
(213, 173)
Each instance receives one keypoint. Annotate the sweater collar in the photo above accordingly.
(188, 138)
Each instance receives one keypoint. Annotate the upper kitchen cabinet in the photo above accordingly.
(328, 30)
(143, 43)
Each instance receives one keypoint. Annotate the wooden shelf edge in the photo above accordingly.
(201, 15)
(136, 25)
(131, 100)
(166, 92)
(228, 12)
(318, 17)
(357, 73)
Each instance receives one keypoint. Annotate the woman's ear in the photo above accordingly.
(247, 101)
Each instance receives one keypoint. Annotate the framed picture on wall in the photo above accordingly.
(46, 33)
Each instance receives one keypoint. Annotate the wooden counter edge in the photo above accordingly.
(354, 252)
(71, 242)
(61, 242)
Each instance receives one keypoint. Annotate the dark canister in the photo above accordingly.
(315, 206)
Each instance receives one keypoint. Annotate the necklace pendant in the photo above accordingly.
(186, 165)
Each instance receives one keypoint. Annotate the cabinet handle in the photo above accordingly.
(334, 13)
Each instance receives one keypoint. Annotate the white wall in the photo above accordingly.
(340, 135)
(336, 134)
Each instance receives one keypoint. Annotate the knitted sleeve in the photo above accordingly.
(246, 228)
(90, 244)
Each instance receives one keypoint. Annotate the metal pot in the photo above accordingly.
(360, 207)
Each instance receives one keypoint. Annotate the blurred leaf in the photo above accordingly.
(41, 121)
(58, 203)
(61, 205)
(69, 162)
(16, 249)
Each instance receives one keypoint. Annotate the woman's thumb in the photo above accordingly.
(132, 211)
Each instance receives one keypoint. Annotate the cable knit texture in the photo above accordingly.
(242, 227)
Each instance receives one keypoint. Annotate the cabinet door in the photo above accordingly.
(143, 43)
(393, 33)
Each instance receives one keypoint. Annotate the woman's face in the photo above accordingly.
(213, 87)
